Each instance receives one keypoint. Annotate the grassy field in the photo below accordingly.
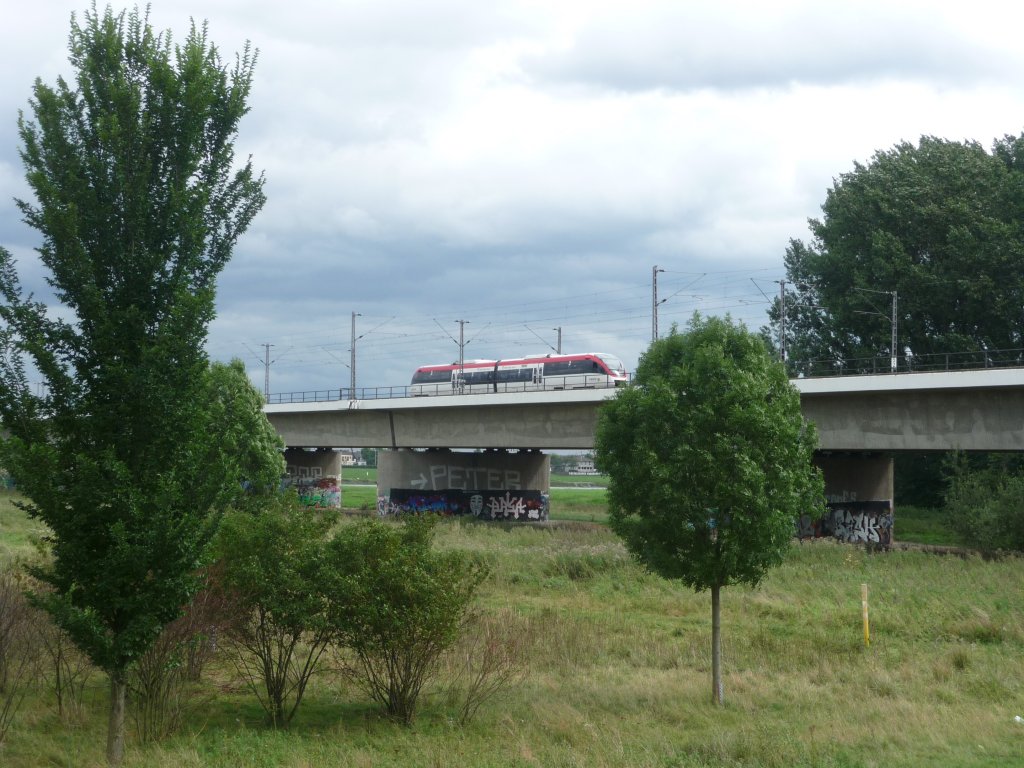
(618, 671)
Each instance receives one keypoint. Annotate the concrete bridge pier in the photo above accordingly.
(316, 475)
(859, 492)
(494, 484)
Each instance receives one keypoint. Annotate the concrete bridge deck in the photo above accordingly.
(964, 410)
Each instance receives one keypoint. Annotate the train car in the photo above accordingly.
(537, 372)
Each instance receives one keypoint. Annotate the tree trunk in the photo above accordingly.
(115, 726)
(716, 644)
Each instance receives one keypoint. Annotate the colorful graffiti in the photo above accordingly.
(514, 506)
(853, 522)
(324, 493)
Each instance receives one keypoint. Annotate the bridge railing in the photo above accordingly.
(860, 366)
(550, 384)
(345, 393)
(940, 361)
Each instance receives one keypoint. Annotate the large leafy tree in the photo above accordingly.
(942, 225)
(709, 461)
(246, 440)
(139, 202)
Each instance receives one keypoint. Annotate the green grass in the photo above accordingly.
(359, 475)
(924, 526)
(19, 536)
(619, 673)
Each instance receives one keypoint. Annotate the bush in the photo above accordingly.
(159, 683)
(65, 669)
(17, 650)
(490, 656)
(398, 605)
(985, 509)
(271, 562)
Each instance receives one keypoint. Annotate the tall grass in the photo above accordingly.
(619, 673)
(19, 535)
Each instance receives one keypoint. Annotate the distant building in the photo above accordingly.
(352, 458)
(584, 465)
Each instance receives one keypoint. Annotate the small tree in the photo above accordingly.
(709, 462)
(398, 604)
(271, 561)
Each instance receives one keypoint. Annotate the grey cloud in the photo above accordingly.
(738, 46)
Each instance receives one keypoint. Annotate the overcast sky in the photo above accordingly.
(522, 166)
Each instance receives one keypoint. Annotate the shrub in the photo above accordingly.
(271, 562)
(17, 651)
(65, 669)
(984, 508)
(491, 655)
(159, 682)
(398, 605)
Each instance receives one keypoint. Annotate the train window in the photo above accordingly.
(570, 367)
(509, 375)
(431, 377)
(479, 377)
(613, 363)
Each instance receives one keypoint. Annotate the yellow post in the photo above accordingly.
(864, 610)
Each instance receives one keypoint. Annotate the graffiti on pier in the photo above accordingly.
(854, 522)
(447, 477)
(511, 505)
(322, 493)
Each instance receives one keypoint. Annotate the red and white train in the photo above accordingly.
(584, 371)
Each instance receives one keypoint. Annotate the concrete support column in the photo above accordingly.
(856, 476)
(859, 492)
(316, 475)
(492, 484)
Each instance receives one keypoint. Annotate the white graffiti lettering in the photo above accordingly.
(445, 476)
(509, 506)
(857, 527)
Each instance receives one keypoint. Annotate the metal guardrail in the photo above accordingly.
(939, 361)
(329, 395)
(820, 368)
(551, 384)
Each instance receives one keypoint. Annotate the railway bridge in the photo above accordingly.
(861, 422)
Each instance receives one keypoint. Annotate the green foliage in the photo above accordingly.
(920, 479)
(708, 456)
(398, 604)
(984, 508)
(139, 208)
(246, 436)
(272, 564)
(942, 224)
(139, 202)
